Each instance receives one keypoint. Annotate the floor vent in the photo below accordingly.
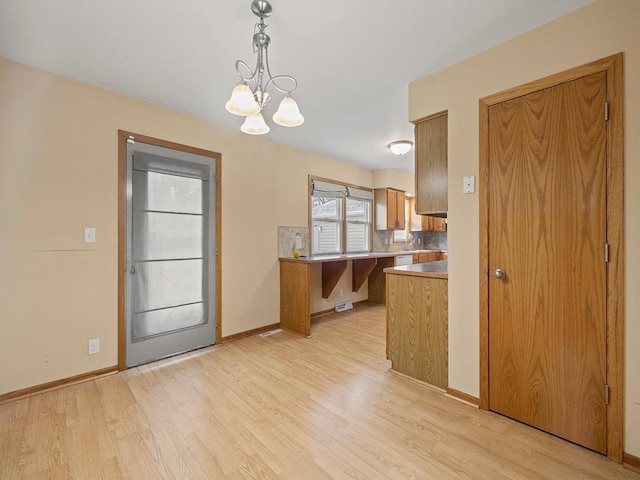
(341, 307)
(270, 332)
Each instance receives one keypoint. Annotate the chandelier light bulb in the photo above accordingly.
(242, 101)
(255, 125)
(288, 114)
(400, 147)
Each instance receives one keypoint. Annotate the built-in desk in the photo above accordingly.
(295, 282)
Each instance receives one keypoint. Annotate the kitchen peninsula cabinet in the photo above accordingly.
(417, 321)
(389, 208)
(431, 138)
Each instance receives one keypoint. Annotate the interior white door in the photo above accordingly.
(170, 252)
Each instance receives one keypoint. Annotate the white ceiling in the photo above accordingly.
(353, 60)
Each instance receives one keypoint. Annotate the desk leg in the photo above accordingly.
(295, 297)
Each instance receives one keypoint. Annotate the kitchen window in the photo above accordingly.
(340, 217)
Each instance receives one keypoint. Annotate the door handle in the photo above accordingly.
(499, 273)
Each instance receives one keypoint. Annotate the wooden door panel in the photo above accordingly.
(547, 230)
(392, 209)
(400, 208)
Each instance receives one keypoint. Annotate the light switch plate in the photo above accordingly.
(89, 235)
(469, 184)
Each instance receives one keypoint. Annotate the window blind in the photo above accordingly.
(326, 189)
(359, 193)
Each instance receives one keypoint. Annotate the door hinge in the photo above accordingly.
(606, 394)
(606, 253)
(131, 140)
(606, 111)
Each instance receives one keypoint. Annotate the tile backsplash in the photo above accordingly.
(383, 241)
(287, 240)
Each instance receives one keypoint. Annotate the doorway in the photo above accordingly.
(551, 283)
(169, 237)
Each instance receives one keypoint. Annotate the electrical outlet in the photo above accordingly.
(94, 346)
(341, 292)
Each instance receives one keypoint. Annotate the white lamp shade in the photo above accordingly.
(242, 101)
(255, 125)
(288, 114)
(400, 147)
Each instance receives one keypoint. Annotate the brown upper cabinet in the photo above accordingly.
(431, 165)
(425, 223)
(389, 204)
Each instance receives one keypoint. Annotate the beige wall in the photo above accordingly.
(601, 29)
(58, 174)
(319, 304)
(388, 178)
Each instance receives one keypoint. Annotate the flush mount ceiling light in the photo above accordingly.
(400, 147)
(250, 94)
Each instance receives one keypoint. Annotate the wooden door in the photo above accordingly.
(547, 231)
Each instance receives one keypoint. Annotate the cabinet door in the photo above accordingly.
(437, 224)
(392, 209)
(389, 209)
(431, 165)
(400, 216)
(419, 223)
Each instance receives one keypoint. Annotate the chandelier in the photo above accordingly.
(250, 95)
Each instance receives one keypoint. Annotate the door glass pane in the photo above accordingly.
(167, 193)
(156, 322)
(166, 284)
(169, 236)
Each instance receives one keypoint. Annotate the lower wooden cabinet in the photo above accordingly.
(427, 257)
(417, 327)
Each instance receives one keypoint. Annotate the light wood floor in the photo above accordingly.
(281, 407)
